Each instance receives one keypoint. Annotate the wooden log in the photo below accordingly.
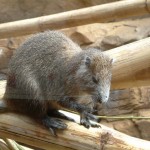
(27, 131)
(132, 65)
(101, 13)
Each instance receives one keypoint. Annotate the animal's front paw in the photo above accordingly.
(85, 122)
(93, 117)
(85, 118)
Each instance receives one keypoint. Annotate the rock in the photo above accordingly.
(111, 41)
(144, 128)
(110, 35)
(127, 127)
(126, 101)
(144, 113)
(87, 34)
(117, 104)
(7, 47)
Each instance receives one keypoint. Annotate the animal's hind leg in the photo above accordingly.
(53, 123)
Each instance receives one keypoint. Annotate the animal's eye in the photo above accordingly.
(94, 80)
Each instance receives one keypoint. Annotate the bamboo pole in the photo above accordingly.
(132, 65)
(27, 131)
(101, 13)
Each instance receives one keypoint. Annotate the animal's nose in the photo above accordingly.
(99, 98)
(105, 98)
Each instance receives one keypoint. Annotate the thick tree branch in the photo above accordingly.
(132, 64)
(25, 130)
(101, 13)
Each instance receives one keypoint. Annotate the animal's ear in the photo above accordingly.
(87, 61)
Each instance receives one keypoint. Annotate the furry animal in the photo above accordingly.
(49, 72)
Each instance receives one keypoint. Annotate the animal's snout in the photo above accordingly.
(106, 97)
(103, 97)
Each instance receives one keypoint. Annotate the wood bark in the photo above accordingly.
(27, 131)
(101, 13)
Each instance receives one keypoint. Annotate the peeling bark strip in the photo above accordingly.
(101, 13)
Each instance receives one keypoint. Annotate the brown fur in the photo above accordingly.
(49, 71)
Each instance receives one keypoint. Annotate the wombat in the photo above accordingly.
(49, 72)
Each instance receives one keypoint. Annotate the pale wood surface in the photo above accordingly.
(101, 13)
(2, 88)
(26, 130)
(132, 64)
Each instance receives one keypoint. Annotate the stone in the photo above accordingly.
(144, 113)
(7, 47)
(127, 127)
(106, 36)
(126, 101)
(144, 128)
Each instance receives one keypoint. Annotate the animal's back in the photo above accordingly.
(38, 63)
(45, 48)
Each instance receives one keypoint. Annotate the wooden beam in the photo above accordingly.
(25, 130)
(101, 13)
(132, 65)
